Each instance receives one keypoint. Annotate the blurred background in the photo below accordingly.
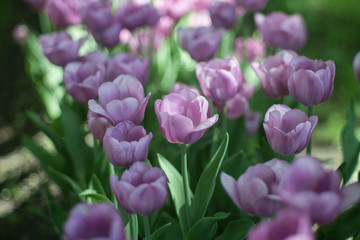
(333, 33)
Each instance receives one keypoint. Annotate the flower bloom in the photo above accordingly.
(220, 79)
(308, 187)
(253, 5)
(180, 86)
(126, 143)
(95, 221)
(222, 14)
(97, 124)
(141, 189)
(64, 13)
(183, 116)
(252, 121)
(201, 43)
(281, 30)
(96, 15)
(290, 224)
(60, 48)
(120, 100)
(251, 48)
(288, 130)
(310, 81)
(108, 37)
(173, 8)
(97, 57)
(272, 73)
(255, 190)
(356, 66)
(82, 80)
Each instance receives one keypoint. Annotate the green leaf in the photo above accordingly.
(56, 212)
(236, 230)
(160, 231)
(96, 185)
(207, 181)
(94, 196)
(201, 229)
(350, 144)
(66, 179)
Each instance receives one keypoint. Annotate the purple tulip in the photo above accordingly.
(288, 130)
(180, 86)
(141, 189)
(308, 187)
(250, 48)
(108, 37)
(133, 15)
(82, 80)
(289, 225)
(126, 143)
(252, 121)
(220, 79)
(97, 57)
(223, 15)
(272, 73)
(281, 30)
(64, 13)
(201, 43)
(98, 124)
(252, 5)
(123, 63)
(356, 66)
(120, 100)
(96, 15)
(184, 116)
(37, 4)
(60, 48)
(255, 190)
(173, 8)
(310, 81)
(95, 221)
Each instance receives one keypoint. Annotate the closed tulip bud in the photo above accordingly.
(252, 5)
(64, 13)
(272, 73)
(141, 189)
(82, 80)
(220, 79)
(59, 48)
(123, 63)
(356, 66)
(281, 30)
(120, 100)
(96, 15)
(255, 192)
(95, 221)
(310, 81)
(287, 130)
(109, 36)
(126, 143)
(289, 224)
(223, 15)
(184, 116)
(97, 124)
(201, 43)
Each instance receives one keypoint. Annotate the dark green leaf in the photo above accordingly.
(236, 230)
(94, 196)
(56, 212)
(157, 234)
(96, 185)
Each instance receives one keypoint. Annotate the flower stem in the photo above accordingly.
(147, 227)
(224, 121)
(185, 178)
(134, 226)
(308, 149)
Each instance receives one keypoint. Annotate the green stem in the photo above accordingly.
(185, 178)
(308, 149)
(147, 227)
(134, 228)
(224, 121)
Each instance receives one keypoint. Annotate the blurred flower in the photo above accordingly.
(141, 189)
(220, 79)
(356, 66)
(97, 57)
(289, 224)
(281, 30)
(287, 130)
(310, 81)
(95, 221)
(180, 86)
(60, 48)
(255, 192)
(36, 4)
(64, 13)
(252, 121)
(20, 34)
(198, 5)
(108, 37)
(97, 124)
(252, 48)
(308, 187)
(272, 73)
(199, 19)
(253, 5)
(184, 116)
(82, 80)
(173, 8)
(120, 100)
(126, 143)
(123, 63)
(96, 15)
(222, 14)
(201, 43)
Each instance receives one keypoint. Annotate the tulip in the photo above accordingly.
(20, 34)
(251, 48)
(120, 100)
(310, 81)
(109, 36)
(272, 73)
(288, 130)
(95, 221)
(281, 30)
(126, 143)
(252, 5)
(64, 13)
(141, 189)
(220, 79)
(252, 120)
(223, 15)
(97, 57)
(201, 42)
(82, 80)
(255, 192)
(308, 187)
(97, 124)
(356, 66)
(180, 86)
(173, 8)
(60, 48)
(183, 116)
(290, 224)
(123, 63)
(96, 15)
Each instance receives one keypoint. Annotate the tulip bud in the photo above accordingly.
(223, 15)
(141, 189)
(64, 13)
(356, 66)
(109, 36)
(97, 124)
(252, 5)
(96, 15)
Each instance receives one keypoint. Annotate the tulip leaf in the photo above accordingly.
(207, 181)
(94, 196)
(350, 144)
(66, 179)
(96, 185)
(236, 230)
(160, 231)
(56, 213)
(202, 228)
